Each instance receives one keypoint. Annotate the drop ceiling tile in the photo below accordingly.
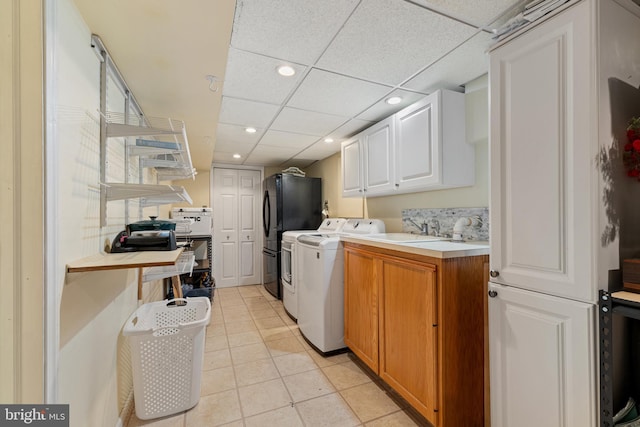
(388, 40)
(226, 157)
(233, 146)
(336, 94)
(276, 138)
(246, 113)
(268, 155)
(381, 110)
(306, 122)
(478, 12)
(254, 77)
(237, 133)
(294, 30)
(319, 151)
(349, 129)
(464, 64)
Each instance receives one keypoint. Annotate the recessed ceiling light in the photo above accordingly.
(286, 70)
(393, 100)
(250, 130)
(237, 156)
(328, 140)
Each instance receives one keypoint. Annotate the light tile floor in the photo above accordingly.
(259, 371)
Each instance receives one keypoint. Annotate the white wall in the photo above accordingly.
(389, 208)
(93, 371)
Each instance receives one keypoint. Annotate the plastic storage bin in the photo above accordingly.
(167, 349)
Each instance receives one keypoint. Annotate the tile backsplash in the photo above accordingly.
(442, 220)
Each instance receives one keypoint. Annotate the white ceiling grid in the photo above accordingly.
(349, 56)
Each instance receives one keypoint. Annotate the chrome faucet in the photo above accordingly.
(424, 228)
(435, 226)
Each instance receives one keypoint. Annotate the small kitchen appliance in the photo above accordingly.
(152, 240)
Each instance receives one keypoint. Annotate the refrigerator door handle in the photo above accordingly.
(266, 209)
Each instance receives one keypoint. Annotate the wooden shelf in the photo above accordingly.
(184, 265)
(108, 261)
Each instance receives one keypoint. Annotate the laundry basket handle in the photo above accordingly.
(207, 313)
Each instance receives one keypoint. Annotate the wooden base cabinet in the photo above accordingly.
(409, 333)
(418, 323)
(361, 322)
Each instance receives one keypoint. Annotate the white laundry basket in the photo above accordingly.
(167, 348)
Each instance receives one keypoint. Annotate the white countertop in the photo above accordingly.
(431, 248)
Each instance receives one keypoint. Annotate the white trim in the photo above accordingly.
(52, 291)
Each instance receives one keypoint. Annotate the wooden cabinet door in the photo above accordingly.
(361, 306)
(409, 333)
(541, 355)
(352, 167)
(379, 155)
(542, 158)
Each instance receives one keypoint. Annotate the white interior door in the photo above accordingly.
(248, 207)
(236, 200)
(225, 227)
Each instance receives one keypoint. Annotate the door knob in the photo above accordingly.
(493, 293)
(494, 273)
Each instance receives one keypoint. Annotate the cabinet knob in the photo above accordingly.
(247, 237)
(494, 273)
(397, 185)
(227, 237)
(493, 293)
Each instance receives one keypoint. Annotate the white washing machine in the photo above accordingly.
(289, 261)
(321, 284)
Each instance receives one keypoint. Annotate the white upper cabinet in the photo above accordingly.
(431, 148)
(352, 167)
(379, 154)
(420, 148)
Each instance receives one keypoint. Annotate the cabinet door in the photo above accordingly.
(352, 168)
(418, 147)
(541, 354)
(361, 306)
(543, 158)
(379, 155)
(409, 333)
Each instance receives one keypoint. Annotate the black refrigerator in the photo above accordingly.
(290, 202)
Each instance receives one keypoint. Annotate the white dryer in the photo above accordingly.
(289, 261)
(321, 284)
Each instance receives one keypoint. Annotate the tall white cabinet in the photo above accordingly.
(236, 231)
(550, 124)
